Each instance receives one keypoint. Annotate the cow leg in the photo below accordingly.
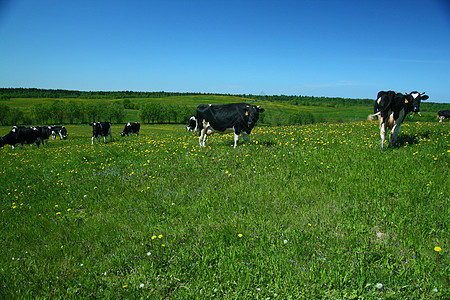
(104, 139)
(245, 136)
(382, 132)
(92, 141)
(236, 139)
(202, 137)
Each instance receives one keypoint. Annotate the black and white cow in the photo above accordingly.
(443, 114)
(392, 108)
(21, 135)
(131, 128)
(192, 125)
(44, 134)
(58, 130)
(101, 129)
(234, 117)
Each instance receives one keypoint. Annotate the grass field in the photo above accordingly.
(305, 212)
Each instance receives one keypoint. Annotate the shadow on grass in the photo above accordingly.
(404, 139)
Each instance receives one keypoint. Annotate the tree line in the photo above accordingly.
(73, 112)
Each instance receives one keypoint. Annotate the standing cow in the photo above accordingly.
(101, 129)
(58, 130)
(392, 108)
(234, 117)
(21, 135)
(131, 128)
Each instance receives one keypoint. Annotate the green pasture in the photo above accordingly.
(298, 212)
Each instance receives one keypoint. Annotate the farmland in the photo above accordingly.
(306, 212)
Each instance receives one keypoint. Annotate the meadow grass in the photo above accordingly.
(299, 212)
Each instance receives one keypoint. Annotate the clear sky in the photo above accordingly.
(333, 48)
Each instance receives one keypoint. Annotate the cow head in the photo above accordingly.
(253, 115)
(192, 126)
(412, 100)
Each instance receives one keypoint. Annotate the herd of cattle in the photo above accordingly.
(390, 107)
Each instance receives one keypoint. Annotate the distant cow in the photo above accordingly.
(192, 125)
(21, 135)
(235, 117)
(131, 128)
(392, 108)
(58, 130)
(443, 114)
(101, 129)
(44, 134)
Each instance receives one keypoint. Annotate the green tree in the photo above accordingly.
(4, 112)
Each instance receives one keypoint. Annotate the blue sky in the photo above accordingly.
(346, 48)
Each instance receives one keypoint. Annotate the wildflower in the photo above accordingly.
(379, 286)
(437, 249)
(148, 254)
(153, 237)
(58, 213)
(62, 247)
(285, 241)
(160, 236)
(162, 245)
(435, 290)
(309, 224)
(240, 235)
(69, 209)
(125, 286)
(141, 285)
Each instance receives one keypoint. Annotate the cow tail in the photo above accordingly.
(371, 118)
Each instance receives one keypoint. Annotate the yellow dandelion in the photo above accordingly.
(58, 213)
(162, 245)
(69, 209)
(309, 224)
(153, 237)
(125, 286)
(240, 235)
(437, 249)
(160, 236)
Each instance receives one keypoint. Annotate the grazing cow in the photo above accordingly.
(101, 129)
(234, 117)
(443, 114)
(392, 108)
(192, 126)
(131, 128)
(44, 134)
(21, 135)
(58, 130)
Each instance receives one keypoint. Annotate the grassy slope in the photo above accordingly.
(305, 212)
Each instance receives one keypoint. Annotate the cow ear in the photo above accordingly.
(260, 109)
(424, 97)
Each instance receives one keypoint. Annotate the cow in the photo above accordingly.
(443, 114)
(131, 128)
(100, 129)
(21, 135)
(392, 108)
(58, 130)
(44, 134)
(192, 125)
(225, 118)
